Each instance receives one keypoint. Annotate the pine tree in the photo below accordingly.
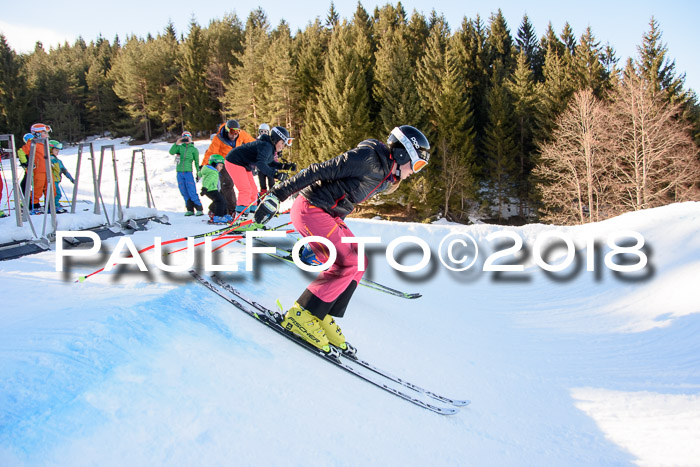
(388, 18)
(332, 18)
(428, 80)
(311, 46)
(394, 87)
(550, 41)
(340, 117)
(244, 98)
(199, 110)
(501, 150)
(609, 60)
(417, 33)
(366, 49)
(526, 42)
(475, 58)
(170, 31)
(161, 67)
(654, 65)
(455, 143)
(131, 84)
(398, 100)
(590, 71)
(57, 82)
(225, 38)
(500, 46)
(101, 101)
(523, 91)
(14, 92)
(282, 96)
(554, 93)
(568, 39)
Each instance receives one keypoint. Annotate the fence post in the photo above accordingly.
(116, 182)
(131, 176)
(99, 185)
(15, 183)
(149, 194)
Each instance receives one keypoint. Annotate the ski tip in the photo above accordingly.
(461, 403)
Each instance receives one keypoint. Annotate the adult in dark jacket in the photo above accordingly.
(329, 192)
(260, 154)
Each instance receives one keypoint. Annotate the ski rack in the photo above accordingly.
(115, 225)
(36, 243)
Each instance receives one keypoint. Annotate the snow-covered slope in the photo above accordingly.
(574, 368)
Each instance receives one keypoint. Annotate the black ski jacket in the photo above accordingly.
(259, 154)
(337, 185)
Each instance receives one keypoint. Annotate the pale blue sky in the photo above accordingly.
(621, 23)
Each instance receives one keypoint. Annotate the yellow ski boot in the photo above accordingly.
(333, 333)
(307, 326)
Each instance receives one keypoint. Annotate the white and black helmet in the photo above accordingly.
(408, 144)
(263, 129)
(280, 133)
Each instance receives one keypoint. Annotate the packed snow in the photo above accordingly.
(576, 367)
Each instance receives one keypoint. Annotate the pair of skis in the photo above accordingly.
(348, 361)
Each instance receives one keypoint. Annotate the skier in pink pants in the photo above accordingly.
(259, 154)
(329, 192)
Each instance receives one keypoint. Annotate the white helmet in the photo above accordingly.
(263, 129)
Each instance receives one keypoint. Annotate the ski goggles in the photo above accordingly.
(39, 127)
(418, 159)
(187, 135)
(287, 141)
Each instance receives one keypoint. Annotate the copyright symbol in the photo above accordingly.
(464, 240)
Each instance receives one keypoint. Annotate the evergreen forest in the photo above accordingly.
(523, 127)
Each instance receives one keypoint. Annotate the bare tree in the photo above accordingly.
(574, 167)
(455, 173)
(655, 158)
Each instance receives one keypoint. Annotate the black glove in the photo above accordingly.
(23, 165)
(289, 166)
(281, 176)
(267, 209)
(203, 192)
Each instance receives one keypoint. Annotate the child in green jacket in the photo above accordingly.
(57, 171)
(211, 188)
(187, 155)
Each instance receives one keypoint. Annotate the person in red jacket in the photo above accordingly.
(39, 130)
(227, 137)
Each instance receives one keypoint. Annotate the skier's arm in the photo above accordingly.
(22, 157)
(265, 159)
(349, 164)
(175, 149)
